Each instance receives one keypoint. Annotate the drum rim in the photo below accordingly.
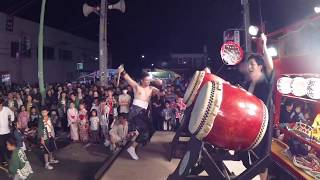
(184, 163)
(212, 107)
(192, 89)
(263, 128)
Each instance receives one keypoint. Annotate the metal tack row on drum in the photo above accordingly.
(224, 115)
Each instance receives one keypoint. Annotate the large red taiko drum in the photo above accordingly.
(199, 79)
(228, 117)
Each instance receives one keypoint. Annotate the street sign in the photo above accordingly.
(79, 66)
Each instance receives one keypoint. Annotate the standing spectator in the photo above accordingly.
(88, 100)
(83, 124)
(75, 100)
(46, 135)
(124, 101)
(59, 92)
(55, 121)
(29, 103)
(170, 96)
(168, 116)
(62, 110)
(96, 106)
(180, 107)
(73, 115)
(19, 100)
(6, 118)
(112, 104)
(157, 106)
(20, 137)
(11, 103)
(79, 94)
(50, 99)
(94, 126)
(104, 118)
(36, 96)
(19, 166)
(34, 117)
(23, 117)
(22, 96)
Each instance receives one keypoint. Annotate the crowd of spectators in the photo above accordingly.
(83, 113)
(295, 111)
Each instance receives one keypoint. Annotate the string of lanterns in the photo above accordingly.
(299, 86)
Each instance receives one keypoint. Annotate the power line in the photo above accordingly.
(22, 7)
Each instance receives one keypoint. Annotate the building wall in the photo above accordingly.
(24, 69)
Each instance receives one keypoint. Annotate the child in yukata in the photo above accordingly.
(19, 166)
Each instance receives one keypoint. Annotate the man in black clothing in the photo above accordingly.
(286, 111)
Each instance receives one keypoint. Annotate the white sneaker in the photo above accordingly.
(54, 161)
(48, 166)
(131, 150)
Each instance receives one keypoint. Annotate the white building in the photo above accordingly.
(62, 52)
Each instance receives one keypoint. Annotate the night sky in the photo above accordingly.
(159, 27)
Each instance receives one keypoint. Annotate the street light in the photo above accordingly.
(142, 56)
(253, 30)
(272, 51)
(317, 9)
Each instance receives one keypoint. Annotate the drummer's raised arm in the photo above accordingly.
(267, 58)
(126, 76)
(130, 81)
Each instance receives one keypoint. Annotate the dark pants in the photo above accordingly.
(139, 120)
(111, 119)
(49, 146)
(4, 153)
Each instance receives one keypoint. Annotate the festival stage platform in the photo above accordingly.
(153, 163)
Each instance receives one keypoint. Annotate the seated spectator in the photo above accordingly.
(119, 132)
(19, 166)
(286, 111)
(297, 114)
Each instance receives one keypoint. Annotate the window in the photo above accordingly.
(14, 49)
(48, 53)
(65, 55)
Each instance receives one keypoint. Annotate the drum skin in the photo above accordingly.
(240, 123)
(190, 99)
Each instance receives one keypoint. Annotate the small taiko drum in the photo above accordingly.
(228, 117)
(198, 80)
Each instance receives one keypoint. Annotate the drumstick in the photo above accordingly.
(118, 78)
(55, 144)
(44, 145)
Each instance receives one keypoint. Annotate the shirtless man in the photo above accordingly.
(138, 115)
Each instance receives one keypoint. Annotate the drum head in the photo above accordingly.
(205, 109)
(193, 87)
(184, 163)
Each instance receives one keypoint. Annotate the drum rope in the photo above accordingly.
(208, 109)
(263, 125)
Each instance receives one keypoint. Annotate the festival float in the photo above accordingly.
(297, 148)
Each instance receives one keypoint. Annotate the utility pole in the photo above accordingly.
(40, 52)
(246, 20)
(103, 44)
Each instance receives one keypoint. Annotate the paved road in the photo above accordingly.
(77, 162)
